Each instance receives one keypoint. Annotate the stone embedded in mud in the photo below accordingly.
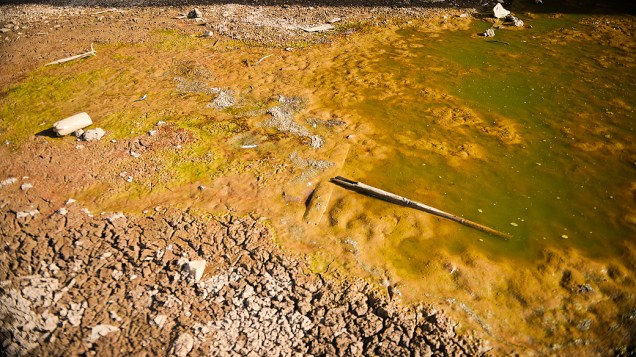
(183, 345)
(515, 20)
(489, 33)
(499, 12)
(195, 14)
(195, 269)
(25, 186)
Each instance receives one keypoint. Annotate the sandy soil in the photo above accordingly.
(73, 281)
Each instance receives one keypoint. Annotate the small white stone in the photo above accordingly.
(93, 134)
(25, 214)
(114, 316)
(25, 186)
(195, 269)
(101, 330)
(70, 201)
(160, 320)
(134, 154)
(9, 181)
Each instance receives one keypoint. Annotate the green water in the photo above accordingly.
(556, 95)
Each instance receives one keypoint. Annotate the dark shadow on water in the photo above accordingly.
(548, 6)
(48, 133)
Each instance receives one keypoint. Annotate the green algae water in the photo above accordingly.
(530, 133)
(565, 180)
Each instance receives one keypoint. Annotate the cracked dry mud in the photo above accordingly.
(114, 286)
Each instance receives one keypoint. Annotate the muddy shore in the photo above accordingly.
(218, 165)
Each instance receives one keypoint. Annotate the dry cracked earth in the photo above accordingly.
(73, 282)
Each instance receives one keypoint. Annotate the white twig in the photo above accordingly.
(109, 10)
(86, 54)
(261, 60)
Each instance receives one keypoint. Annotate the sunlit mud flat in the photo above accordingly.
(530, 132)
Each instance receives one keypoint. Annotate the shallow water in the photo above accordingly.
(533, 137)
(568, 173)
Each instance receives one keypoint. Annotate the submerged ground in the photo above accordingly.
(530, 132)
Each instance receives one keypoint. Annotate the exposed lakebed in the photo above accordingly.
(530, 132)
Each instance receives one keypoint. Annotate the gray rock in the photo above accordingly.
(93, 134)
(515, 20)
(489, 33)
(195, 14)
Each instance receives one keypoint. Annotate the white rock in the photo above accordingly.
(62, 211)
(115, 216)
(101, 330)
(134, 154)
(499, 11)
(114, 316)
(87, 212)
(195, 269)
(183, 345)
(25, 214)
(25, 186)
(160, 320)
(93, 134)
(70, 201)
(9, 181)
(72, 123)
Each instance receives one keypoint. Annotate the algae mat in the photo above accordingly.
(534, 138)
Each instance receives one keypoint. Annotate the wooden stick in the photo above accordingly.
(402, 201)
(67, 59)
